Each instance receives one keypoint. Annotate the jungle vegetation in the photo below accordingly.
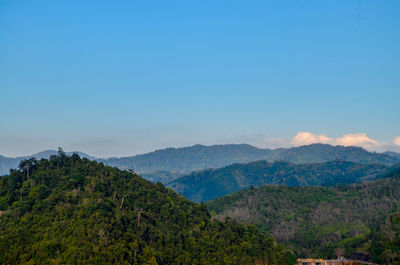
(70, 210)
(314, 221)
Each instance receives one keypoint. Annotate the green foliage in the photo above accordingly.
(69, 210)
(211, 183)
(385, 241)
(161, 176)
(314, 221)
(38, 192)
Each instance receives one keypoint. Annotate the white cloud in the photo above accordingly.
(357, 139)
(351, 139)
(304, 138)
(396, 140)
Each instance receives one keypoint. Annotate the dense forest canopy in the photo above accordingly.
(69, 210)
(314, 221)
(212, 183)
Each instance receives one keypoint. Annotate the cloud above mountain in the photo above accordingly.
(304, 138)
(396, 140)
(359, 139)
(356, 139)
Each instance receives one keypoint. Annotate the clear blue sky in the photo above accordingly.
(126, 77)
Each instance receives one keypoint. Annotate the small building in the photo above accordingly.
(333, 262)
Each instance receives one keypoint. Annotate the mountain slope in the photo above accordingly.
(68, 210)
(211, 183)
(392, 154)
(315, 220)
(188, 159)
(385, 241)
(316, 153)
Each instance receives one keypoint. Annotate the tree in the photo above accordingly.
(339, 252)
(27, 165)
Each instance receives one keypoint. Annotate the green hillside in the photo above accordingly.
(314, 221)
(68, 210)
(384, 241)
(188, 159)
(211, 183)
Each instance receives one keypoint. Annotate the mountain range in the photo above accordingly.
(178, 161)
(310, 205)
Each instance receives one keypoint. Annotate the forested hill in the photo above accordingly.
(315, 221)
(188, 159)
(69, 210)
(211, 183)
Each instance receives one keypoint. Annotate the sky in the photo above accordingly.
(117, 78)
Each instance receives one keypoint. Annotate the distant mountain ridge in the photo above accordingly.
(208, 184)
(7, 163)
(192, 158)
(392, 154)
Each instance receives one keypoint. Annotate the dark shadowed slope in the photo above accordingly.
(211, 183)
